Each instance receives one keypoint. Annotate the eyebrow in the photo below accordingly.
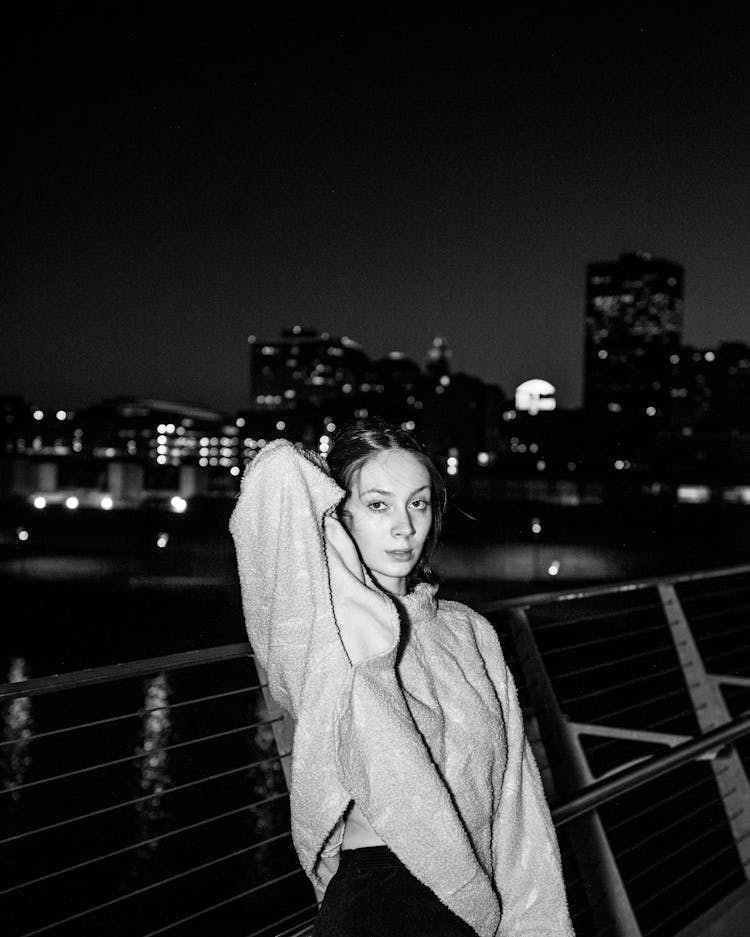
(385, 491)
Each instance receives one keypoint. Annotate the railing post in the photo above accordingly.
(711, 712)
(609, 902)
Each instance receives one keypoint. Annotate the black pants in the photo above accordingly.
(373, 895)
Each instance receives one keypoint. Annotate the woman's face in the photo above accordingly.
(388, 512)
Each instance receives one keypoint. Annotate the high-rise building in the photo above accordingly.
(634, 314)
(304, 365)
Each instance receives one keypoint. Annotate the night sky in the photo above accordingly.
(175, 184)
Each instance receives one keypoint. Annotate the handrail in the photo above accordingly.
(631, 585)
(93, 676)
(53, 683)
(600, 792)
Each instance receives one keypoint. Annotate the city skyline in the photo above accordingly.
(173, 192)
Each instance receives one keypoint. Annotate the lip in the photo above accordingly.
(400, 554)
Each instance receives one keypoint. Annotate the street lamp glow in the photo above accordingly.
(71, 503)
(40, 503)
(179, 505)
(106, 503)
(22, 534)
(554, 568)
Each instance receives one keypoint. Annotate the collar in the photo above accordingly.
(419, 605)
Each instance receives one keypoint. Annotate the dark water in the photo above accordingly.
(86, 598)
(62, 626)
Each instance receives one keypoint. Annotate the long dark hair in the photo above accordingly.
(359, 441)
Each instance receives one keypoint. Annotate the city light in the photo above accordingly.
(162, 540)
(179, 505)
(693, 494)
(71, 503)
(106, 503)
(22, 534)
(483, 458)
(40, 502)
(61, 415)
(554, 567)
(38, 414)
(234, 470)
(536, 525)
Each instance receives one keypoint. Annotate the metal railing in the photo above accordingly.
(135, 802)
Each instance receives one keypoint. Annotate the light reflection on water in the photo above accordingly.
(153, 765)
(18, 726)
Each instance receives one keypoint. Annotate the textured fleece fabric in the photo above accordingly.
(425, 735)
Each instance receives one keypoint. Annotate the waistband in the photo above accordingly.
(368, 857)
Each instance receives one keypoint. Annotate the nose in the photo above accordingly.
(403, 526)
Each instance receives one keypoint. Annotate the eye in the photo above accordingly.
(420, 504)
(377, 506)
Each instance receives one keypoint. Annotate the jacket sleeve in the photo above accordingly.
(277, 527)
(308, 607)
(526, 857)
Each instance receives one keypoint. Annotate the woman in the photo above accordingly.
(417, 808)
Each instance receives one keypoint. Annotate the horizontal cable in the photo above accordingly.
(710, 658)
(719, 593)
(655, 804)
(601, 792)
(608, 716)
(283, 920)
(95, 676)
(604, 639)
(136, 757)
(619, 686)
(145, 842)
(220, 904)
(666, 856)
(718, 613)
(596, 616)
(294, 930)
(599, 665)
(144, 797)
(118, 899)
(138, 712)
(653, 895)
(694, 899)
(664, 829)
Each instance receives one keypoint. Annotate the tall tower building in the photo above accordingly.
(634, 313)
(303, 365)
